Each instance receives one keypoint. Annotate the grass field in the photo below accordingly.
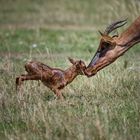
(104, 107)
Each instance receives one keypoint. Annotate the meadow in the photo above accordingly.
(103, 107)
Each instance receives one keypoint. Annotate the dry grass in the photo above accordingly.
(103, 107)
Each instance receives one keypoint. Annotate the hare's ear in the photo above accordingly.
(71, 60)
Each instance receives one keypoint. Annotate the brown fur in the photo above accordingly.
(54, 78)
(114, 47)
(109, 50)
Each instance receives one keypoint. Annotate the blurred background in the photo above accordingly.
(87, 14)
(103, 107)
(27, 25)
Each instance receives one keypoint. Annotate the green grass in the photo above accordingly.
(104, 107)
(24, 40)
(89, 13)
